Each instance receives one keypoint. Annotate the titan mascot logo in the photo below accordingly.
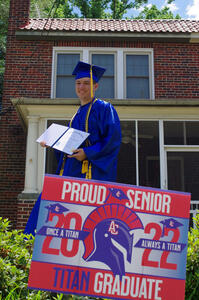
(109, 230)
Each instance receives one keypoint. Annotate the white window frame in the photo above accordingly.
(164, 148)
(151, 70)
(120, 75)
(56, 51)
(115, 65)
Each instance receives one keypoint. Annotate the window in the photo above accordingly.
(139, 162)
(181, 133)
(65, 87)
(129, 72)
(107, 86)
(137, 76)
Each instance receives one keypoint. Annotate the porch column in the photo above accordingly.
(31, 156)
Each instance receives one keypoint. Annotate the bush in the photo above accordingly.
(15, 258)
(192, 268)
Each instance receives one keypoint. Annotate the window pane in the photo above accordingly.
(192, 133)
(65, 84)
(66, 63)
(181, 133)
(137, 76)
(127, 159)
(105, 88)
(138, 88)
(51, 162)
(137, 65)
(173, 133)
(65, 87)
(183, 172)
(106, 84)
(148, 153)
(105, 61)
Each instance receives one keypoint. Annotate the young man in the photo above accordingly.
(97, 157)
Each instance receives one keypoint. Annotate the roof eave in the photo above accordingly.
(41, 34)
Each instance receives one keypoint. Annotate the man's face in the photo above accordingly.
(83, 88)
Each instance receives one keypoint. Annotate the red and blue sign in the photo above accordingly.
(110, 240)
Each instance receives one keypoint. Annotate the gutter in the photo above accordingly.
(76, 35)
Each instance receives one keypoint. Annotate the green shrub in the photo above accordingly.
(192, 268)
(15, 258)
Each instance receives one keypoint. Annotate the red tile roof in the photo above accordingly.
(106, 25)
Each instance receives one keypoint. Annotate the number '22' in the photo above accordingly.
(163, 260)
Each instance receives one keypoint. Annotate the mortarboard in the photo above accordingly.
(83, 69)
(56, 209)
(116, 193)
(170, 223)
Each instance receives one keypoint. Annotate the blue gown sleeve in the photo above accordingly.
(104, 152)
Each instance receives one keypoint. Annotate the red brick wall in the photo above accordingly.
(28, 74)
(12, 138)
(176, 70)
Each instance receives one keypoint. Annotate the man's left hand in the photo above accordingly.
(79, 154)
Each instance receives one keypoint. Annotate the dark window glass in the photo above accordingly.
(51, 162)
(127, 157)
(148, 153)
(137, 76)
(192, 133)
(65, 85)
(106, 84)
(181, 133)
(183, 172)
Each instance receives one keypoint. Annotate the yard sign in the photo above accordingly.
(110, 240)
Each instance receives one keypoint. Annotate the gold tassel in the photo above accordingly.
(91, 76)
(89, 171)
(62, 167)
(84, 166)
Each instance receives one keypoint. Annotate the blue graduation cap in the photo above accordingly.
(56, 209)
(170, 223)
(116, 193)
(83, 69)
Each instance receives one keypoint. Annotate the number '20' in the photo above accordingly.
(63, 222)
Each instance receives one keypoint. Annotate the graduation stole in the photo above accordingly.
(86, 165)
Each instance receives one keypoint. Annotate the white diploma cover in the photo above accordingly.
(63, 138)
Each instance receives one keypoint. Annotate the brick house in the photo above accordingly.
(152, 79)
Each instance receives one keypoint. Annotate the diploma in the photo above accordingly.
(63, 138)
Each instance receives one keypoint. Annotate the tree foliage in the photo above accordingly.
(192, 266)
(97, 9)
(154, 13)
(52, 8)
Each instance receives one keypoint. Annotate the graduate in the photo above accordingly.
(97, 156)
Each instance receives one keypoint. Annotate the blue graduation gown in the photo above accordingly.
(102, 151)
(104, 142)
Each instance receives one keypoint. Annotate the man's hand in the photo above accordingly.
(79, 154)
(43, 144)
